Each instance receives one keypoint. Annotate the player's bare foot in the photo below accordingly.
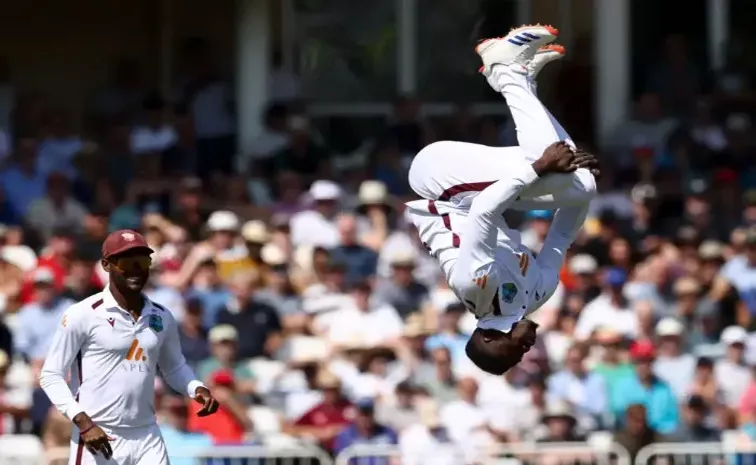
(518, 47)
(544, 56)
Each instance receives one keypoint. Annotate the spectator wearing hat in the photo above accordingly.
(257, 321)
(561, 424)
(328, 418)
(224, 350)
(696, 314)
(317, 227)
(365, 430)
(646, 389)
(731, 372)
(230, 423)
(37, 321)
(613, 365)
(608, 310)
(401, 290)
(672, 364)
(376, 212)
(360, 261)
(278, 290)
(583, 274)
(255, 235)
(584, 390)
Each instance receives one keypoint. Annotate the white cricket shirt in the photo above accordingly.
(113, 360)
(481, 256)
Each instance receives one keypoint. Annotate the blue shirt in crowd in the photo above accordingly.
(213, 300)
(742, 276)
(455, 343)
(360, 262)
(36, 326)
(591, 400)
(659, 400)
(21, 190)
(351, 437)
(183, 444)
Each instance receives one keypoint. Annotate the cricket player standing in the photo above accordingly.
(118, 339)
(468, 187)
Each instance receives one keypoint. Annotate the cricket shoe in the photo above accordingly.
(544, 56)
(519, 47)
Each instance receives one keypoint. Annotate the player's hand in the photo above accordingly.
(209, 404)
(557, 158)
(589, 161)
(96, 441)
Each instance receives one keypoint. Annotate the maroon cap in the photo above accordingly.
(642, 350)
(123, 240)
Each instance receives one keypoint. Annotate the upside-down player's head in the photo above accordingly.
(495, 352)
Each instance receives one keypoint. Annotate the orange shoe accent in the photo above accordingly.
(560, 49)
(552, 30)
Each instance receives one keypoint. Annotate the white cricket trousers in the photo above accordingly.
(131, 446)
(456, 171)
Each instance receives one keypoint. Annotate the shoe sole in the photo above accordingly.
(552, 30)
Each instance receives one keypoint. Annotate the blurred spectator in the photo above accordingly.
(224, 341)
(365, 430)
(401, 290)
(732, 374)
(180, 443)
(257, 321)
(303, 154)
(22, 181)
(427, 442)
(560, 423)
(608, 310)
(360, 261)
(448, 333)
(704, 384)
(646, 389)
(739, 273)
(15, 402)
(399, 411)
(463, 416)
(193, 335)
(326, 420)
(672, 365)
(641, 138)
(273, 138)
(230, 423)
(637, 432)
(38, 320)
(583, 390)
(373, 323)
(206, 287)
(317, 227)
(58, 209)
(694, 427)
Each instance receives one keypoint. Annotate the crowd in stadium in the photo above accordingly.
(308, 306)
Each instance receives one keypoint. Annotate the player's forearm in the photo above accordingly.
(182, 379)
(562, 233)
(57, 390)
(494, 200)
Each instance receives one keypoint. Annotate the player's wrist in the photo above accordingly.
(539, 167)
(83, 422)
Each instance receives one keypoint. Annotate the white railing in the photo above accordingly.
(221, 455)
(532, 453)
(698, 453)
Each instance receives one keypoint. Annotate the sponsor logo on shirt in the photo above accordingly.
(136, 359)
(480, 280)
(508, 292)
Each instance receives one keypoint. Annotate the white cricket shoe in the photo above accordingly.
(518, 47)
(544, 56)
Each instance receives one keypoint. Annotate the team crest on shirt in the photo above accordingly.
(156, 323)
(508, 292)
(127, 236)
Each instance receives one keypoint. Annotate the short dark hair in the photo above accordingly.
(478, 352)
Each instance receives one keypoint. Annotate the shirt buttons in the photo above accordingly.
(526, 292)
(524, 307)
